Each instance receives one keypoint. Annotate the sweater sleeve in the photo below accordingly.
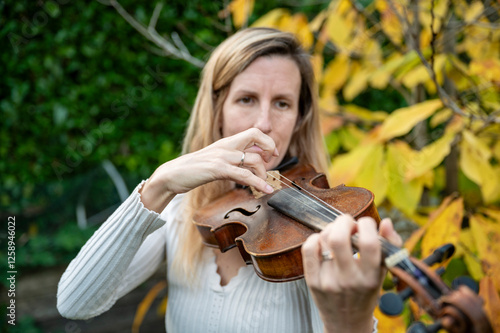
(121, 254)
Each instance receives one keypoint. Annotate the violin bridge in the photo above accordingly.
(396, 258)
(273, 179)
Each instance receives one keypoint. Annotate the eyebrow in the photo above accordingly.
(253, 93)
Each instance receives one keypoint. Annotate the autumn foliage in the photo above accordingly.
(434, 162)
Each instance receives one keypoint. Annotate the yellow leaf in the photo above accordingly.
(145, 304)
(440, 117)
(467, 249)
(365, 114)
(373, 174)
(480, 146)
(401, 121)
(336, 72)
(488, 69)
(415, 237)
(427, 178)
(389, 20)
(419, 219)
(317, 21)
(477, 42)
(328, 102)
(351, 136)
(486, 235)
(381, 76)
(271, 19)
(496, 150)
(439, 10)
(346, 167)
(444, 228)
(356, 84)
(372, 52)
(474, 11)
(297, 24)
(241, 10)
(474, 162)
(411, 60)
(388, 323)
(317, 64)
(425, 37)
(420, 74)
(162, 307)
(339, 30)
(430, 156)
(491, 299)
(403, 194)
(493, 214)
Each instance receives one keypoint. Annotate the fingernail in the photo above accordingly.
(269, 189)
(276, 152)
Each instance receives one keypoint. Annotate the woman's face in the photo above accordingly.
(265, 96)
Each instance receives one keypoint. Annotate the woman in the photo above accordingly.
(256, 106)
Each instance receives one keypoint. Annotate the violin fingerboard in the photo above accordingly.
(309, 212)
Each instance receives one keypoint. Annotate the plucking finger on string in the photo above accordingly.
(369, 248)
(387, 231)
(311, 256)
(337, 237)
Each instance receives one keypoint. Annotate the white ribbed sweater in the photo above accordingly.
(129, 247)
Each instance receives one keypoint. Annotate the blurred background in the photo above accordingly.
(95, 95)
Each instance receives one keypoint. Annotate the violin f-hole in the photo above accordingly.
(242, 211)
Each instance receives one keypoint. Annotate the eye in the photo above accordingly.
(282, 105)
(245, 100)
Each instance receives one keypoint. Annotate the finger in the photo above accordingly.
(246, 177)
(258, 142)
(254, 163)
(311, 260)
(386, 230)
(368, 244)
(337, 237)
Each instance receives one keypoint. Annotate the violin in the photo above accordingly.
(269, 231)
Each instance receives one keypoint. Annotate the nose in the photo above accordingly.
(263, 121)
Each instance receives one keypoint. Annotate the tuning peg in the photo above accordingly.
(440, 254)
(465, 281)
(419, 327)
(391, 304)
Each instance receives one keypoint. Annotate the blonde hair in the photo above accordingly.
(229, 59)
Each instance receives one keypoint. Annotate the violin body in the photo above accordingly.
(267, 238)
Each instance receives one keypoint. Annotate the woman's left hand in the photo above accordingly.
(346, 288)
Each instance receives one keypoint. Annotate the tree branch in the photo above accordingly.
(152, 35)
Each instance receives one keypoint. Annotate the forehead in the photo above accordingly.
(270, 71)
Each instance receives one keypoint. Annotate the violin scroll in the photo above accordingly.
(458, 310)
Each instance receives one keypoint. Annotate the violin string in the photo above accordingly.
(328, 208)
(388, 247)
(334, 211)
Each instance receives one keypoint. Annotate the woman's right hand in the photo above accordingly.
(218, 161)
